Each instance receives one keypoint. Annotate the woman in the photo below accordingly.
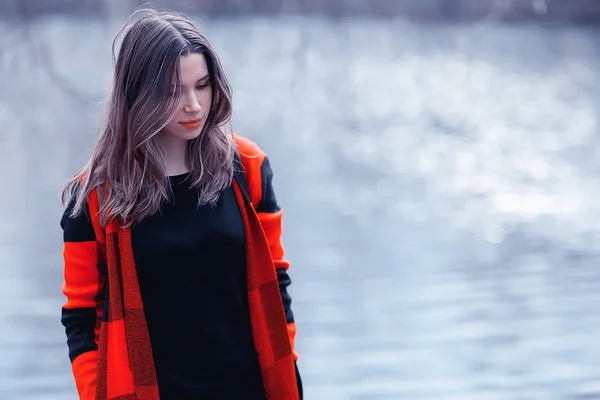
(174, 274)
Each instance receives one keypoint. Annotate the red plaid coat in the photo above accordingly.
(121, 366)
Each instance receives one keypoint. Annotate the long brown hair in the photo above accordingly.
(127, 167)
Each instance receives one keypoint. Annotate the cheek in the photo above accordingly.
(173, 122)
(206, 98)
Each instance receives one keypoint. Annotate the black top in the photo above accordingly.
(191, 265)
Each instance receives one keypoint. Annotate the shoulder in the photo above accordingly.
(250, 152)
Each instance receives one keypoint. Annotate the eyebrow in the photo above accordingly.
(199, 80)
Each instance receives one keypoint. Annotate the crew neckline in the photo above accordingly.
(179, 175)
(179, 179)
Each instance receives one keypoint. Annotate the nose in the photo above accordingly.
(192, 105)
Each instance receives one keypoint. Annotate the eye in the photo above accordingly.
(203, 86)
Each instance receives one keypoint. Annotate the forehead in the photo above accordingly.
(192, 67)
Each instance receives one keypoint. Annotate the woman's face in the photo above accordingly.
(196, 98)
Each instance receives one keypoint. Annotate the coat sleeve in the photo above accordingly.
(83, 286)
(270, 216)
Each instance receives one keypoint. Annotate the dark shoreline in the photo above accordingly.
(521, 11)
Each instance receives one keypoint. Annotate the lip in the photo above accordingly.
(194, 123)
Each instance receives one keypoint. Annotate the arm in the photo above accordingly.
(259, 176)
(84, 288)
(270, 216)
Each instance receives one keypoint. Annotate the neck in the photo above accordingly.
(176, 155)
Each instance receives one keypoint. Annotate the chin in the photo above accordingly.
(190, 134)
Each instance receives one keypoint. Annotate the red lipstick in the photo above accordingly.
(192, 124)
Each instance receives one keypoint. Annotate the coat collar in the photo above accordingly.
(240, 177)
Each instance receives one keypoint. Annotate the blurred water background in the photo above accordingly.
(440, 181)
